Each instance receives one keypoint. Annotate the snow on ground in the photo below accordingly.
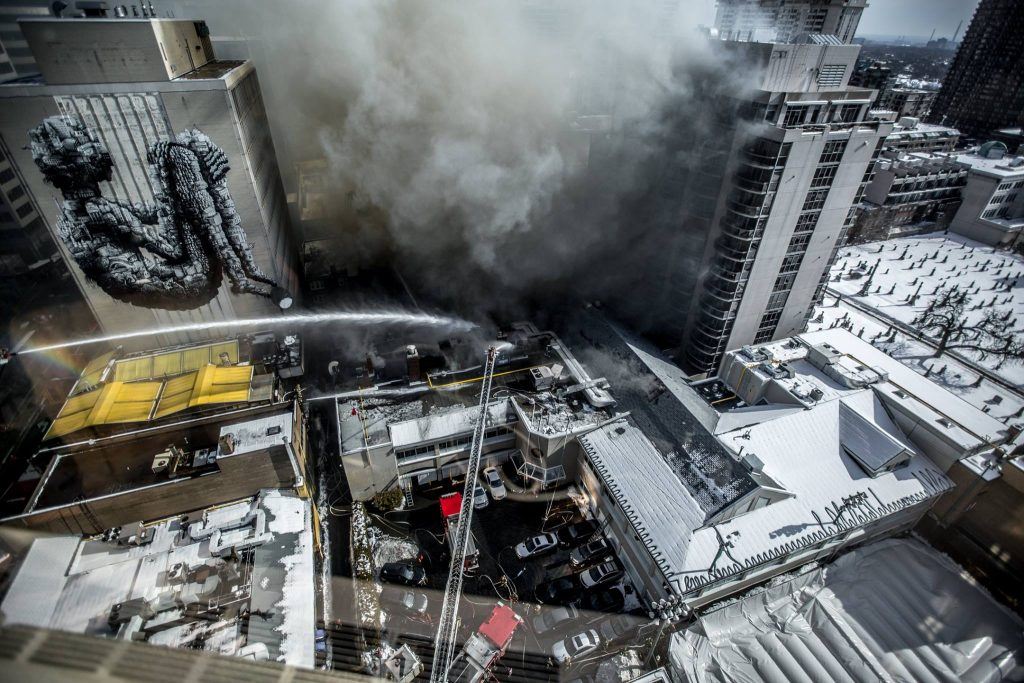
(921, 264)
(387, 548)
(366, 588)
(893, 284)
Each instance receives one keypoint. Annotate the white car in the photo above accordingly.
(553, 618)
(412, 601)
(602, 573)
(536, 545)
(579, 645)
(479, 497)
(494, 484)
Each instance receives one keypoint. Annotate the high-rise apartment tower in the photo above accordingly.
(784, 207)
(785, 20)
(984, 89)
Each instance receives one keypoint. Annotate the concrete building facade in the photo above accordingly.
(784, 21)
(155, 82)
(910, 193)
(789, 201)
(992, 211)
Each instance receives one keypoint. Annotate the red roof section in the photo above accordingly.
(451, 504)
(500, 626)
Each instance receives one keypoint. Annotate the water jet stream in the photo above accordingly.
(354, 318)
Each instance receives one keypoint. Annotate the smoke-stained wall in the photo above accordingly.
(242, 231)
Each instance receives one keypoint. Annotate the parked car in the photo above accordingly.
(405, 572)
(409, 600)
(479, 497)
(565, 589)
(495, 486)
(574, 534)
(579, 645)
(617, 626)
(605, 572)
(536, 545)
(607, 600)
(553, 618)
(588, 553)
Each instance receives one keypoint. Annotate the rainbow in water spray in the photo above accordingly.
(349, 317)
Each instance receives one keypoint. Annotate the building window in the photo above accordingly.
(807, 221)
(815, 200)
(6, 176)
(794, 116)
(24, 210)
(832, 152)
(823, 176)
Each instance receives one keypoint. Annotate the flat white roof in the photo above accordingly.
(262, 432)
(445, 424)
(71, 583)
(922, 392)
(999, 168)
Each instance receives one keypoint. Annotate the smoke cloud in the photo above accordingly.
(502, 155)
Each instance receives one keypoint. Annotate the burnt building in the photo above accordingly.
(984, 89)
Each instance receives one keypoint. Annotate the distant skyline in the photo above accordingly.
(896, 17)
(916, 17)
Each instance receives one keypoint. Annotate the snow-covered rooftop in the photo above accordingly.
(803, 452)
(446, 424)
(889, 611)
(262, 432)
(883, 314)
(652, 389)
(839, 457)
(646, 487)
(1005, 167)
(73, 584)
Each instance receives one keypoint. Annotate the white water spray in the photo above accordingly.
(352, 318)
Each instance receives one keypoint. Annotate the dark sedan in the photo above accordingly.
(405, 572)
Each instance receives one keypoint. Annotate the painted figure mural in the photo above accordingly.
(171, 253)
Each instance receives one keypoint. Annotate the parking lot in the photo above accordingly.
(501, 575)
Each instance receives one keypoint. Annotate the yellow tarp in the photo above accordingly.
(211, 384)
(119, 401)
(175, 362)
(177, 392)
(92, 373)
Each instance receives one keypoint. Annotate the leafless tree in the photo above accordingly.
(945, 319)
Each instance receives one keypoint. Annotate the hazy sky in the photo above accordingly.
(916, 17)
(896, 17)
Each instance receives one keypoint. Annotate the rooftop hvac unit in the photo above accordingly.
(161, 461)
(226, 444)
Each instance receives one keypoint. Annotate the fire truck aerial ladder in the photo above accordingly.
(448, 623)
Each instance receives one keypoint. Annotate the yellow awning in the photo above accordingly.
(211, 384)
(92, 373)
(176, 362)
(119, 402)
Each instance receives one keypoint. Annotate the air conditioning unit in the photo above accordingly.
(161, 461)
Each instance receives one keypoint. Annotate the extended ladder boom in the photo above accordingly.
(448, 623)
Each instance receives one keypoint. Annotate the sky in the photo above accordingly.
(896, 17)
